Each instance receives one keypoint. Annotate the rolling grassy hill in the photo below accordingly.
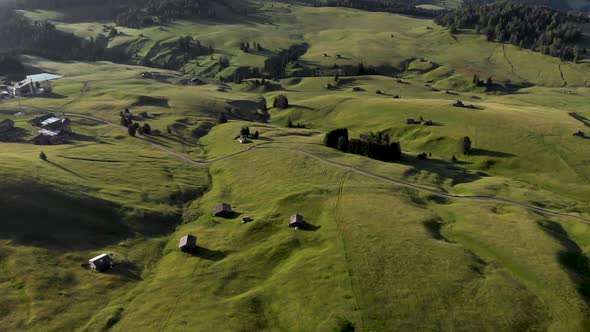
(378, 256)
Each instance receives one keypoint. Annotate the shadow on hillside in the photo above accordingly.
(230, 216)
(208, 254)
(434, 226)
(36, 216)
(490, 153)
(126, 270)
(572, 258)
(86, 138)
(53, 95)
(15, 135)
(309, 227)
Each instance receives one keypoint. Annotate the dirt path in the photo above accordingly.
(353, 169)
(509, 62)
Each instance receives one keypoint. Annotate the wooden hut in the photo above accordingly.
(187, 243)
(297, 221)
(222, 210)
(101, 263)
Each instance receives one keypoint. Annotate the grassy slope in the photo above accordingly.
(58, 214)
(327, 30)
(382, 258)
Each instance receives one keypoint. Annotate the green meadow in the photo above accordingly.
(377, 256)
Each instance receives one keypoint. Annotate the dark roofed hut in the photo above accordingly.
(101, 263)
(187, 243)
(222, 210)
(297, 222)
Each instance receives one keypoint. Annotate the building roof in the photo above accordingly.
(100, 258)
(187, 240)
(50, 133)
(296, 218)
(43, 77)
(222, 207)
(42, 118)
(49, 121)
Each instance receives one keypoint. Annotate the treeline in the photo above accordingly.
(389, 6)
(10, 64)
(374, 145)
(57, 4)
(151, 12)
(533, 27)
(19, 35)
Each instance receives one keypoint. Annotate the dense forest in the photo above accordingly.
(151, 12)
(20, 35)
(533, 27)
(389, 6)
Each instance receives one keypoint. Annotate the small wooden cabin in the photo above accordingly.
(297, 221)
(222, 210)
(101, 263)
(187, 243)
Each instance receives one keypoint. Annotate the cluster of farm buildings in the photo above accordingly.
(51, 130)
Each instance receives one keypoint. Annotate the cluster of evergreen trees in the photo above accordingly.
(191, 47)
(389, 6)
(376, 145)
(142, 12)
(280, 102)
(276, 65)
(533, 27)
(489, 83)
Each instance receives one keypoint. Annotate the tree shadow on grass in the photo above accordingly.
(64, 169)
(446, 170)
(490, 153)
(572, 258)
(208, 254)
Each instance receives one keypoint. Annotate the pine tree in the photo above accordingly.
(221, 118)
(466, 145)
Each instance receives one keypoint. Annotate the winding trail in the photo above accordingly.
(399, 183)
(509, 62)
